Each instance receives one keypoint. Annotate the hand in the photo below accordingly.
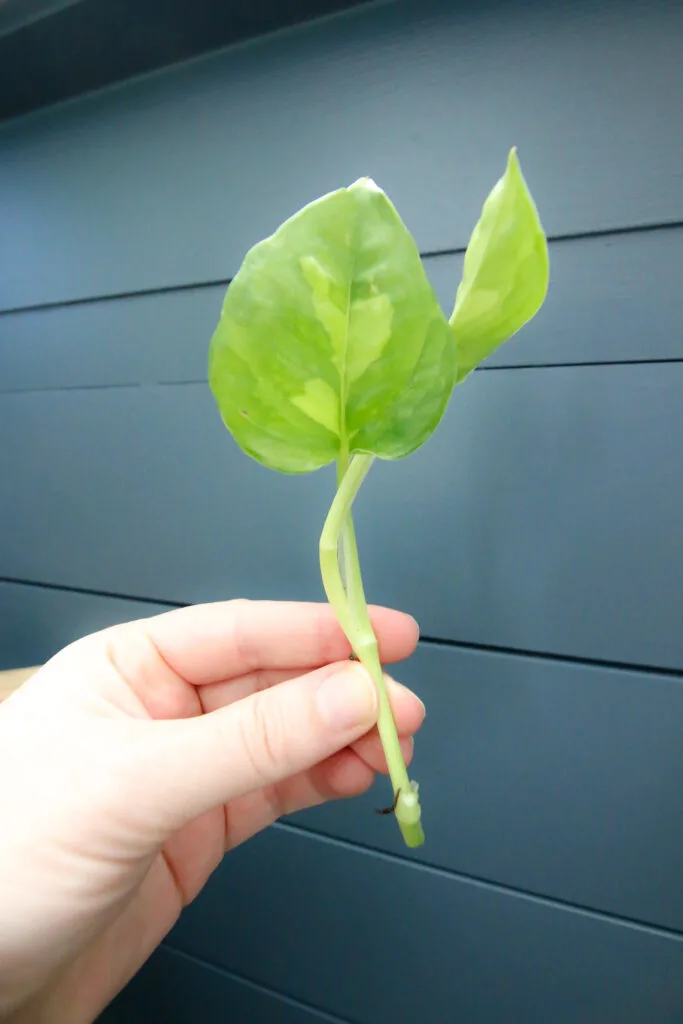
(137, 756)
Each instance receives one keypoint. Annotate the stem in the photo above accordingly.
(348, 550)
(338, 544)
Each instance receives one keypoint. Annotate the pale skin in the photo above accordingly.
(138, 756)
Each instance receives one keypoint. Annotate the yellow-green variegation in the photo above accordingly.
(331, 340)
(505, 275)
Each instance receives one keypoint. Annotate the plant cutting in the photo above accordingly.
(332, 348)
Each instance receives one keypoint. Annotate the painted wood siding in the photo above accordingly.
(537, 537)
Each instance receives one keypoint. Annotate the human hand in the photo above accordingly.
(137, 756)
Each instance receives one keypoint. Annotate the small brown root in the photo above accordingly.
(392, 809)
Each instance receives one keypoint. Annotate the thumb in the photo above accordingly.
(202, 762)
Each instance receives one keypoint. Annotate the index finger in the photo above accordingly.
(208, 643)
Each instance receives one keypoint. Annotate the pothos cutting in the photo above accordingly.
(332, 347)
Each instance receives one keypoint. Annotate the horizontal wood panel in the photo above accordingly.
(173, 989)
(562, 780)
(18, 14)
(169, 179)
(70, 47)
(597, 310)
(146, 339)
(36, 622)
(520, 524)
(346, 931)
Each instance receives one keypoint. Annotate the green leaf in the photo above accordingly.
(506, 271)
(331, 340)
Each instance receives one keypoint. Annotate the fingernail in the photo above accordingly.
(347, 698)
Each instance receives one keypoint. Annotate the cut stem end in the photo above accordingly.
(408, 815)
(413, 835)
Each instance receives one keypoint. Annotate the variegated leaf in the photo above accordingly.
(505, 274)
(331, 339)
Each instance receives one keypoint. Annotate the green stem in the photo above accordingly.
(338, 543)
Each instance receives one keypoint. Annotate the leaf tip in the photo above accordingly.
(366, 183)
(514, 168)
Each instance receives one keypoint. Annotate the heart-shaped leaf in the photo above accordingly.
(331, 340)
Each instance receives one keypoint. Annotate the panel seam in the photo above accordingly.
(553, 902)
(427, 254)
(196, 381)
(427, 640)
(259, 986)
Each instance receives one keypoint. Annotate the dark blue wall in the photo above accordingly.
(537, 537)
